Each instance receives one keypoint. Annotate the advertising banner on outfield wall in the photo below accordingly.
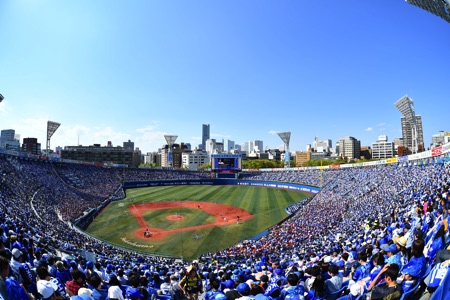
(436, 151)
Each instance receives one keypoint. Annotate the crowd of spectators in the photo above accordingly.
(372, 227)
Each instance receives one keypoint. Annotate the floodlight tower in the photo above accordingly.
(286, 137)
(1, 97)
(51, 128)
(170, 139)
(440, 8)
(406, 107)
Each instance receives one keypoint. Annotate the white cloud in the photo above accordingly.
(83, 135)
(150, 138)
(273, 132)
(369, 129)
(381, 124)
(382, 129)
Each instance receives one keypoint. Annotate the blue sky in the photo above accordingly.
(119, 70)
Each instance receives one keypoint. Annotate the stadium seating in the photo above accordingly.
(355, 207)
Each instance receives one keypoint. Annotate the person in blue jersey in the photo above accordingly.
(214, 291)
(417, 265)
(62, 271)
(292, 291)
(392, 255)
(437, 244)
(378, 261)
(95, 284)
(362, 271)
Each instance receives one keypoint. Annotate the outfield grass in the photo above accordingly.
(116, 224)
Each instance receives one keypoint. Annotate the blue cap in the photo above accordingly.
(229, 284)
(392, 248)
(243, 288)
(90, 265)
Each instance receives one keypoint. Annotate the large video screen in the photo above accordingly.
(223, 162)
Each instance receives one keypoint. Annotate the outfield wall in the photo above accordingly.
(267, 184)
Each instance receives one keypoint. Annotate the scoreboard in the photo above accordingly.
(226, 162)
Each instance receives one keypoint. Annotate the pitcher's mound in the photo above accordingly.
(174, 218)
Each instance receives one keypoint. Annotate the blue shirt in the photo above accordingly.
(361, 272)
(394, 259)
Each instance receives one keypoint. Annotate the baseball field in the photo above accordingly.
(188, 221)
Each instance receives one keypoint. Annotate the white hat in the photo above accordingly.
(45, 288)
(84, 291)
(16, 253)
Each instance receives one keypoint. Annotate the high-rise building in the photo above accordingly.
(97, 153)
(128, 145)
(228, 146)
(398, 142)
(349, 147)
(438, 139)
(150, 158)
(407, 134)
(253, 146)
(177, 150)
(137, 157)
(322, 146)
(301, 158)
(31, 145)
(210, 146)
(205, 135)
(7, 135)
(9, 140)
(258, 146)
(382, 148)
(194, 159)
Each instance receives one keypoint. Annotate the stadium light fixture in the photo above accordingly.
(1, 97)
(170, 139)
(440, 8)
(51, 128)
(406, 107)
(286, 138)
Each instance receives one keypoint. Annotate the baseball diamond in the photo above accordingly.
(188, 221)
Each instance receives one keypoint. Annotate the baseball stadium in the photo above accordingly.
(85, 230)
(145, 220)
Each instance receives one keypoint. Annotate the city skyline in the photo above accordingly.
(119, 71)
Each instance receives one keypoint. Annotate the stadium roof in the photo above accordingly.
(440, 8)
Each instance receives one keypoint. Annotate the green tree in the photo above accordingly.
(205, 166)
(261, 164)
